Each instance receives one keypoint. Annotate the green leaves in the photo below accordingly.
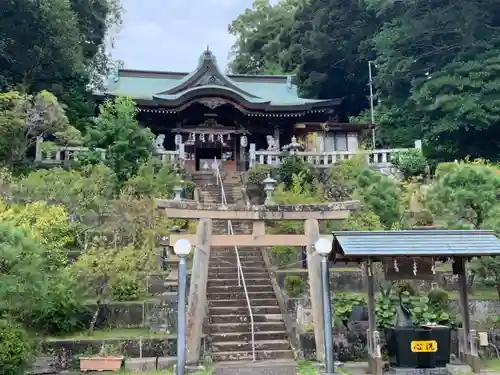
(466, 194)
(117, 130)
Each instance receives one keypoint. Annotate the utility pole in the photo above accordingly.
(372, 111)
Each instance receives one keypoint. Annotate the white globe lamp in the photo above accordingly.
(323, 246)
(182, 248)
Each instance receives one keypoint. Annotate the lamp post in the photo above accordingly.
(372, 110)
(323, 247)
(182, 248)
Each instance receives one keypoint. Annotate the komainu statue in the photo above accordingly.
(272, 145)
(158, 142)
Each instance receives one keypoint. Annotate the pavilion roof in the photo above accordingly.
(430, 243)
(173, 88)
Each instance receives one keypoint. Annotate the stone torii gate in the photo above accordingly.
(204, 239)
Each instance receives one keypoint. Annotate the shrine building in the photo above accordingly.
(209, 114)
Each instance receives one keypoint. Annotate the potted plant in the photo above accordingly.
(108, 359)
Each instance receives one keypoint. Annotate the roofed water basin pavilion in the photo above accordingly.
(208, 114)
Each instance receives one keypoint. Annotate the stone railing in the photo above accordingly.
(168, 156)
(58, 155)
(61, 154)
(379, 158)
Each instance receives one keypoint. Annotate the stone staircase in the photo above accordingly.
(230, 334)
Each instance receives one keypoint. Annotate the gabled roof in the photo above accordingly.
(431, 243)
(173, 89)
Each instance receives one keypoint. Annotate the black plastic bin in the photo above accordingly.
(399, 346)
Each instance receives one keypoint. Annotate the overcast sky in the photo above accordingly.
(172, 34)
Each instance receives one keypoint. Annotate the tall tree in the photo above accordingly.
(56, 45)
(428, 74)
(117, 130)
(325, 42)
(258, 31)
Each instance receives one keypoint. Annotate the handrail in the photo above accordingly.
(241, 277)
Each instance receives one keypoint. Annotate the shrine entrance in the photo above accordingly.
(206, 154)
(208, 141)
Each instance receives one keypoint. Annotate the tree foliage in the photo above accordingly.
(24, 117)
(117, 130)
(466, 195)
(57, 45)
(435, 65)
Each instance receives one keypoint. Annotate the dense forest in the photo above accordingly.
(436, 64)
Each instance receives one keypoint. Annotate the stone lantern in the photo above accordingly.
(178, 189)
(293, 146)
(269, 185)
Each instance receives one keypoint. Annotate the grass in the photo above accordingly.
(311, 368)
(112, 333)
(146, 299)
(493, 364)
(306, 368)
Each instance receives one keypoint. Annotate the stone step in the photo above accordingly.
(259, 355)
(214, 319)
(229, 251)
(247, 336)
(243, 302)
(243, 255)
(235, 288)
(233, 269)
(243, 346)
(239, 310)
(232, 262)
(234, 282)
(232, 275)
(264, 367)
(240, 295)
(246, 327)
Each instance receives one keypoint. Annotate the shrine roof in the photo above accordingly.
(445, 243)
(173, 88)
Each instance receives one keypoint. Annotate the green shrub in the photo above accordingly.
(410, 163)
(61, 310)
(438, 298)
(283, 255)
(343, 304)
(16, 348)
(188, 189)
(294, 165)
(259, 173)
(443, 169)
(294, 285)
(126, 288)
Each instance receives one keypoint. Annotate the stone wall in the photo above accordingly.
(350, 345)
(345, 280)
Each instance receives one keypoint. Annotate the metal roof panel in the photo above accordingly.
(416, 243)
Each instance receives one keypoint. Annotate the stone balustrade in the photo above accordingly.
(59, 155)
(379, 158)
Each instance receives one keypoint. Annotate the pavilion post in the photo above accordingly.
(469, 355)
(375, 364)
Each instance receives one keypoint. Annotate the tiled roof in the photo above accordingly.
(275, 90)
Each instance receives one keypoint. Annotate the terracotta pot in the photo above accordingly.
(100, 364)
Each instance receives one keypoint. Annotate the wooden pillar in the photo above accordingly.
(198, 291)
(314, 272)
(375, 364)
(470, 355)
